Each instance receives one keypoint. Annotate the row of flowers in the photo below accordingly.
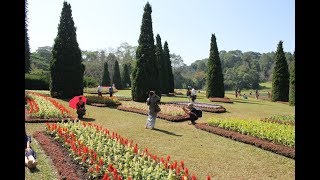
(202, 106)
(107, 155)
(276, 133)
(282, 119)
(44, 107)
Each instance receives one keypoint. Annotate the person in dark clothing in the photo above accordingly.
(192, 112)
(111, 91)
(81, 109)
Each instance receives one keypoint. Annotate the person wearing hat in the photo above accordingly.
(191, 111)
(154, 108)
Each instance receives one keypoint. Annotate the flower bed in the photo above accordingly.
(263, 144)
(281, 119)
(66, 166)
(202, 106)
(276, 133)
(168, 112)
(106, 155)
(224, 100)
(102, 101)
(159, 115)
(42, 108)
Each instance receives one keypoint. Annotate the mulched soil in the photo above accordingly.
(160, 115)
(39, 120)
(67, 168)
(263, 144)
(225, 100)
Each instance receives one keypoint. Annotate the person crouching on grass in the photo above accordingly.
(191, 111)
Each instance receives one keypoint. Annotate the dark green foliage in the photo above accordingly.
(126, 76)
(145, 76)
(215, 84)
(36, 82)
(66, 65)
(292, 84)
(168, 66)
(162, 65)
(89, 82)
(116, 76)
(280, 76)
(106, 75)
(26, 42)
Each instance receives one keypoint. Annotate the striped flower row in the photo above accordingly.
(107, 155)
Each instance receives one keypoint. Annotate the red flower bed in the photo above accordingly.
(225, 100)
(263, 144)
(160, 115)
(67, 168)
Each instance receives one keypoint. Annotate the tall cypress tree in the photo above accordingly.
(215, 84)
(126, 76)
(145, 76)
(163, 74)
(106, 75)
(116, 76)
(66, 65)
(292, 83)
(26, 41)
(169, 76)
(280, 76)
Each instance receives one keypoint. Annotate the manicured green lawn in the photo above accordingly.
(204, 153)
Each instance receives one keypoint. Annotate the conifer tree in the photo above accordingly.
(145, 76)
(106, 75)
(26, 42)
(292, 83)
(126, 76)
(116, 76)
(168, 67)
(280, 76)
(215, 84)
(66, 65)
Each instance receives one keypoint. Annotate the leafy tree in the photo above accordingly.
(215, 84)
(280, 76)
(145, 76)
(126, 76)
(162, 65)
(176, 60)
(26, 42)
(106, 75)
(292, 83)
(66, 65)
(167, 60)
(117, 77)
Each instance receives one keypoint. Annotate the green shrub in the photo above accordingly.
(89, 82)
(36, 82)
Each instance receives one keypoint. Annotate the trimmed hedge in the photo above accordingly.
(36, 82)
